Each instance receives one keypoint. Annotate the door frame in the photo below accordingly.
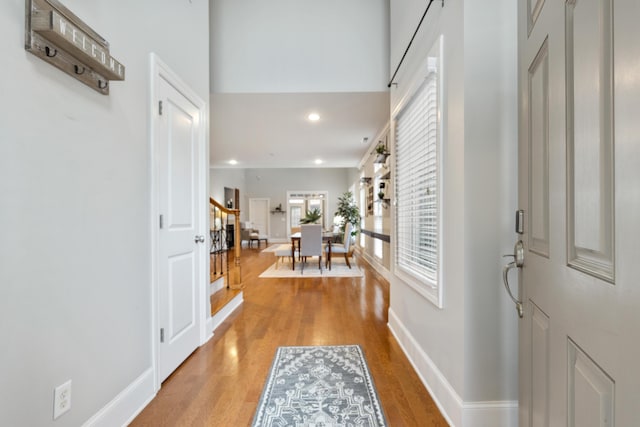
(158, 69)
(251, 213)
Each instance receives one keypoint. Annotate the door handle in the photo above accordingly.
(518, 262)
(199, 239)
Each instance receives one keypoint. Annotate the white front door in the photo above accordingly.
(180, 242)
(259, 215)
(579, 187)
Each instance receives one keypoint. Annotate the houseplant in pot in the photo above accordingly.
(349, 212)
(382, 153)
(381, 149)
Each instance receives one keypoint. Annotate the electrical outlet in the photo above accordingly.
(61, 399)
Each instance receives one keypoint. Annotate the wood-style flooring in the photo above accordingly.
(221, 382)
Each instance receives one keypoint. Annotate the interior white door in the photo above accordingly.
(179, 242)
(259, 214)
(579, 186)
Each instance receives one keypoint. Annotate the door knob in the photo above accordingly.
(518, 262)
(199, 239)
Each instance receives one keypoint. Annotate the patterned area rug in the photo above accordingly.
(271, 248)
(327, 386)
(338, 269)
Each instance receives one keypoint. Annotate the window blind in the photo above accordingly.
(416, 179)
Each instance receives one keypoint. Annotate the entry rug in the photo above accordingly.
(328, 386)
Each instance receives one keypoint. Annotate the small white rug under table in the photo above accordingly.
(338, 269)
(272, 248)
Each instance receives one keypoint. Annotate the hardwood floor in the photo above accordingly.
(221, 382)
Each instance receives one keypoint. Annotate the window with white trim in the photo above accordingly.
(363, 205)
(418, 185)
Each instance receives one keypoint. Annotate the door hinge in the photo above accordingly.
(161, 335)
(160, 107)
(161, 221)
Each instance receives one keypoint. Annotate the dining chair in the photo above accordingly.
(311, 243)
(341, 248)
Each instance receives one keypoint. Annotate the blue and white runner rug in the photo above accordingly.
(328, 386)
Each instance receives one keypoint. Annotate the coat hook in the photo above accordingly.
(79, 70)
(103, 85)
(47, 51)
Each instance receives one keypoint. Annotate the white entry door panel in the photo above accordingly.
(579, 186)
(179, 244)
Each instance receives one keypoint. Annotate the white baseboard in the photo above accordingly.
(375, 264)
(490, 414)
(215, 320)
(127, 404)
(443, 394)
(453, 408)
(135, 397)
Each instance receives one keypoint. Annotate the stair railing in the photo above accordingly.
(220, 242)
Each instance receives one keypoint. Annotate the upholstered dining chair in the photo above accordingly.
(341, 248)
(310, 243)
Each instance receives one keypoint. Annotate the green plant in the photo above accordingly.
(349, 212)
(312, 216)
(381, 194)
(381, 149)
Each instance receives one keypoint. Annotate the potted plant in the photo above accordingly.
(381, 195)
(382, 153)
(349, 212)
(312, 217)
(381, 149)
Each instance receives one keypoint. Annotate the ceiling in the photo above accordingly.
(267, 130)
(274, 62)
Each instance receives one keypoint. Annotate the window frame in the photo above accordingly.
(306, 198)
(431, 289)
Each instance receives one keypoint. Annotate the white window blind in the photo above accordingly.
(417, 185)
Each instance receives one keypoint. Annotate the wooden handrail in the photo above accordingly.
(219, 205)
(235, 281)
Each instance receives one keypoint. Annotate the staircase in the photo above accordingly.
(225, 238)
(225, 274)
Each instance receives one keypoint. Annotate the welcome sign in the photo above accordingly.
(59, 37)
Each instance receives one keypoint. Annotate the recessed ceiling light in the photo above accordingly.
(314, 117)
(233, 162)
(318, 161)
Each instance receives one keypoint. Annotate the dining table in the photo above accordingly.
(327, 237)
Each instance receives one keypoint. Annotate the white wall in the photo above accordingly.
(438, 333)
(490, 198)
(288, 41)
(466, 352)
(229, 177)
(74, 192)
